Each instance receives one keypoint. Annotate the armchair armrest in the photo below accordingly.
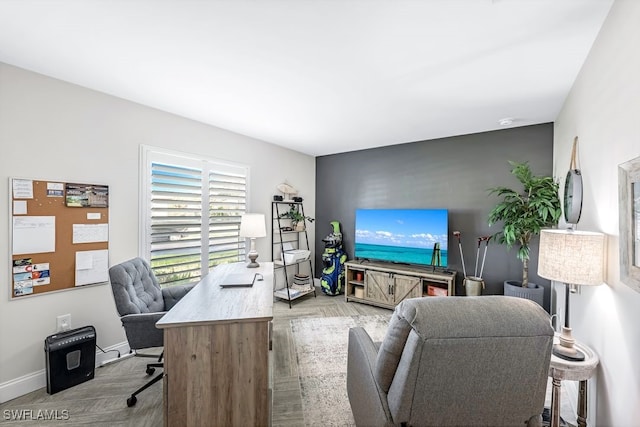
(368, 401)
(141, 330)
(173, 294)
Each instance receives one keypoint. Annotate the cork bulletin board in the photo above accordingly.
(59, 236)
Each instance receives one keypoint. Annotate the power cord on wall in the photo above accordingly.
(108, 351)
(115, 359)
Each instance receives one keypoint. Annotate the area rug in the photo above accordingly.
(321, 351)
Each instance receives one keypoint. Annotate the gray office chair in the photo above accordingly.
(141, 303)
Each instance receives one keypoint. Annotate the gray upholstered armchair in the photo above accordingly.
(141, 303)
(453, 361)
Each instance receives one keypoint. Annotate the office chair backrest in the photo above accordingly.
(135, 288)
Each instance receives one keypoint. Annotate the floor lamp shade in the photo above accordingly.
(252, 225)
(574, 258)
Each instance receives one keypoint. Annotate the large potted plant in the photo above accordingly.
(523, 213)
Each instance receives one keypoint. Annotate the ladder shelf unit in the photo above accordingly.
(287, 246)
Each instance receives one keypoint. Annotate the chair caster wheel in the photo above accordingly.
(131, 401)
(150, 371)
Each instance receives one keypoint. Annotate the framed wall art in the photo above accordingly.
(629, 201)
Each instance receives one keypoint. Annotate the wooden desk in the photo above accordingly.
(216, 352)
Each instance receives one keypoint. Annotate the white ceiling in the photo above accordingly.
(319, 77)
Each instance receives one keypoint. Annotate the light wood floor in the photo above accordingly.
(102, 401)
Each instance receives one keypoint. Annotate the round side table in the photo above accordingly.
(562, 369)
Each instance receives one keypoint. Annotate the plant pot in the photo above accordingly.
(532, 292)
(299, 226)
(473, 286)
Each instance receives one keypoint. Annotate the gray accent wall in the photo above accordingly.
(452, 173)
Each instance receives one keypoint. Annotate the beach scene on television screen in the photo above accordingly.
(402, 235)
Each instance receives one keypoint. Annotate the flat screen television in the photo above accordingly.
(407, 236)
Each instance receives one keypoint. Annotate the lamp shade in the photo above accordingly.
(252, 225)
(571, 256)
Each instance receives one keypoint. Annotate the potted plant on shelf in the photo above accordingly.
(296, 217)
(524, 213)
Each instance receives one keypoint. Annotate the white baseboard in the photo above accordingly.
(36, 380)
(22, 385)
(111, 354)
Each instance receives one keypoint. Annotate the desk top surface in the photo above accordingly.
(209, 303)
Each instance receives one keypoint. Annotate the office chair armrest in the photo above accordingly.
(146, 318)
(141, 330)
(172, 294)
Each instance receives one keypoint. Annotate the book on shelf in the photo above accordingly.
(282, 293)
(436, 291)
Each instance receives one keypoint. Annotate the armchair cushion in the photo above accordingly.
(391, 349)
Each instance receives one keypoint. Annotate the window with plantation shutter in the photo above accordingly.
(191, 214)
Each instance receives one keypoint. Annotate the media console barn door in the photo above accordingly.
(378, 287)
(406, 287)
(386, 285)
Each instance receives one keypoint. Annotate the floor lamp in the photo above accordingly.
(252, 225)
(573, 258)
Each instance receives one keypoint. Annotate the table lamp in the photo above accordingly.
(574, 258)
(252, 225)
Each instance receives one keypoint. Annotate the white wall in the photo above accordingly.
(603, 110)
(54, 130)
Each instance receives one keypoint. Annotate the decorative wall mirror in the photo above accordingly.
(629, 201)
(573, 190)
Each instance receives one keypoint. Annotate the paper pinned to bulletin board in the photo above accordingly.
(59, 235)
(34, 234)
(92, 267)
